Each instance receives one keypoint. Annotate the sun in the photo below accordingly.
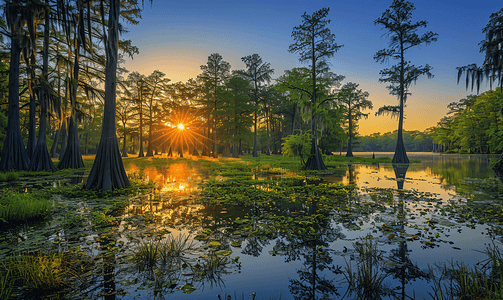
(181, 127)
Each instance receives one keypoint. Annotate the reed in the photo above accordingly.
(367, 277)
(15, 206)
(483, 281)
(6, 284)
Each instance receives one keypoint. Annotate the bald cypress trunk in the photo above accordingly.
(41, 160)
(108, 171)
(72, 158)
(315, 161)
(400, 156)
(349, 153)
(14, 156)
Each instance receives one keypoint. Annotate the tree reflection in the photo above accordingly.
(401, 266)
(312, 247)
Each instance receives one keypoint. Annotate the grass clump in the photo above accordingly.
(15, 206)
(482, 281)
(41, 273)
(9, 176)
(6, 284)
(153, 252)
(367, 278)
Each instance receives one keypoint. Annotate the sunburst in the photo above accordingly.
(182, 129)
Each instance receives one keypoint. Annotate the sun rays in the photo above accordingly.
(182, 130)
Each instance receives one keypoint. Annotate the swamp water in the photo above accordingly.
(278, 236)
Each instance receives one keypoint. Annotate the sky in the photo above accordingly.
(177, 38)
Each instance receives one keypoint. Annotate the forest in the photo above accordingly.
(61, 51)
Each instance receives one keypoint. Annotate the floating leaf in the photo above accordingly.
(214, 244)
(188, 288)
(224, 252)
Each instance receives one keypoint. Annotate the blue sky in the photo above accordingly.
(177, 38)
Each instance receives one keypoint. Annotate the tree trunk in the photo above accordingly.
(55, 143)
(149, 147)
(64, 137)
(124, 151)
(315, 161)
(254, 153)
(108, 171)
(72, 158)
(41, 161)
(32, 127)
(215, 142)
(14, 156)
(140, 152)
(400, 156)
(349, 153)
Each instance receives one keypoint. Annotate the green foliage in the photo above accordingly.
(104, 218)
(6, 283)
(474, 125)
(415, 141)
(297, 145)
(492, 46)
(9, 176)
(16, 206)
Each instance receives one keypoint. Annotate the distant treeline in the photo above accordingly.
(472, 125)
(415, 141)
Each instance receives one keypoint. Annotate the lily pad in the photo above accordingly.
(224, 252)
(188, 288)
(201, 237)
(236, 244)
(214, 244)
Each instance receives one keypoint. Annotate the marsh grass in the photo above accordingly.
(366, 279)
(9, 176)
(15, 206)
(44, 273)
(480, 282)
(6, 284)
(154, 252)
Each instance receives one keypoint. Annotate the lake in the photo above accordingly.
(400, 226)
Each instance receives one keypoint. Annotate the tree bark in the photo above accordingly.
(349, 153)
(108, 171)
(400, 156)
(64, 137)
(124, 151)
(55, 143)
(41, 160)
(14, 156)
(140, 152)
(254, 153)
(72, 158)
(315, 161)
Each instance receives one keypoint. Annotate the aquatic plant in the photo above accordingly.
(9, 176)
(47, 273)
(367, 281)
(15, 206)
(6, 284)
(173, 247)
(482, 281)
(152, 252)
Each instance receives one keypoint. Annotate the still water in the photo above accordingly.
(411, 234)
(305, 274)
